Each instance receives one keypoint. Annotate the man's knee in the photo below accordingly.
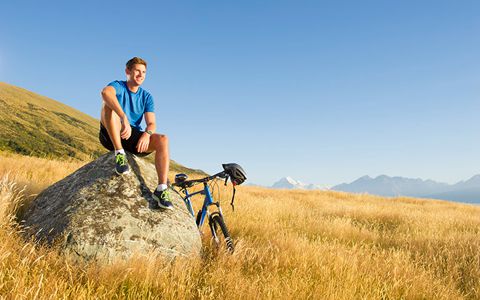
(160, 140)
(108, 113)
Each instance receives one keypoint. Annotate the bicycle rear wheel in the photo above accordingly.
(220, 232)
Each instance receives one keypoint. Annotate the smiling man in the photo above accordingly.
(125, 104)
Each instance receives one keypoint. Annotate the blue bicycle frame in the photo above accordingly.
(206, 203)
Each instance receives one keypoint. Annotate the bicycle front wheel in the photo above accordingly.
(220, 232)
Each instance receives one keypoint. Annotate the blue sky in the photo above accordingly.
(322, 91)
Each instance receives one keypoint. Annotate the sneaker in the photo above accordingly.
(121, 166)
(153, 204)
(163, 199)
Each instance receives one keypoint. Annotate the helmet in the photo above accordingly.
(236, 173)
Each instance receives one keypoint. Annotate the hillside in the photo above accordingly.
(34, 125)
(31, 124)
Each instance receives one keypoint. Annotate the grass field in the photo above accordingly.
(289, 245)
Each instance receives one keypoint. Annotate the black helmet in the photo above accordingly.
(236, 173)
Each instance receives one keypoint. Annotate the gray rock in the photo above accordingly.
(96, 214)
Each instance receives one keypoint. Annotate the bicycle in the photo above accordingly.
(215, 219)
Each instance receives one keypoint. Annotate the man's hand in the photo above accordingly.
(143, 142)
(126, 130)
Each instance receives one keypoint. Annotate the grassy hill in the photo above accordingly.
(34, 125)
(31, 124)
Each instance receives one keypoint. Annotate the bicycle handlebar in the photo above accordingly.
(190, 183)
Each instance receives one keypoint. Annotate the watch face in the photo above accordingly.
(149, 132)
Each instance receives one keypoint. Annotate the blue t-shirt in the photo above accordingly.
(134, 105)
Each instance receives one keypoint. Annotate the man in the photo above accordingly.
(125, 103)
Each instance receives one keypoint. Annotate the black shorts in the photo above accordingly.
(129, 145)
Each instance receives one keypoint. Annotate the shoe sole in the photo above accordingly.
(124, 173)
(158, 202)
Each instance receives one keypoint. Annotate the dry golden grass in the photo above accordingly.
(289, 245)
(33, 172)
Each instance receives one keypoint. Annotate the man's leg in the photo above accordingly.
(111, 122)
(159, 144)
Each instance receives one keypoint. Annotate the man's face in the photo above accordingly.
(136, 74)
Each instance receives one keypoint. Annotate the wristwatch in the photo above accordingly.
(149, 132)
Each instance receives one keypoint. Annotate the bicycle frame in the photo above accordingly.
(208, 201)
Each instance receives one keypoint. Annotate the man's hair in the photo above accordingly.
(134, 61)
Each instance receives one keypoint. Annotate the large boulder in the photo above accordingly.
(96, 214)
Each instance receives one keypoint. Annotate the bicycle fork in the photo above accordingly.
(204, 212)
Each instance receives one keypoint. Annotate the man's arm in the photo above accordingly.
(144, 140)
(110, 98)
(150, 120)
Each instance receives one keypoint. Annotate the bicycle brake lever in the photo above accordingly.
(226, 180)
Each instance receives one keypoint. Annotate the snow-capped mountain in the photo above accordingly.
(290, 183)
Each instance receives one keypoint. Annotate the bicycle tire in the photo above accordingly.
(217, 226)
(199, 216)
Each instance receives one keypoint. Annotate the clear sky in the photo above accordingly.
(322, 91)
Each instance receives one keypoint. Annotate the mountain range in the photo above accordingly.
(463, 191)
(467, 191)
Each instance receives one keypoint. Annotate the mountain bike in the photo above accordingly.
(216, 220)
